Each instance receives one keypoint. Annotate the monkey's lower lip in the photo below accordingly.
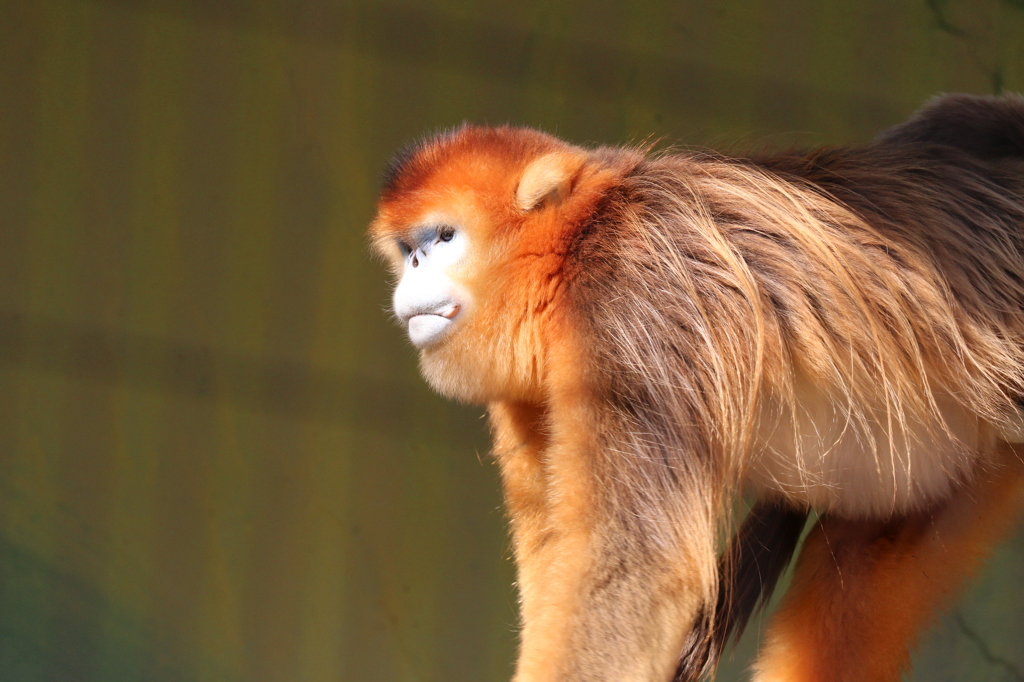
(425, 330)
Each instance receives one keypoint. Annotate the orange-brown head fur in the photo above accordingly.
(520, 219)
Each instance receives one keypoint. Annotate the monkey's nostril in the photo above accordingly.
(415, 261)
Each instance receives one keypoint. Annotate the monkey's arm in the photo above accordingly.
(604, 594)
(864, 589)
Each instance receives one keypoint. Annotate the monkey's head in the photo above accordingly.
(476, 224)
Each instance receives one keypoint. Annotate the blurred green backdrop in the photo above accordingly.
(217, 461)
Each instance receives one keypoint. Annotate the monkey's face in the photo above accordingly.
(429, 300)
(474, 226)
(440, 247)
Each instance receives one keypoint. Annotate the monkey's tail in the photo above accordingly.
(748, 571)
(985, 127)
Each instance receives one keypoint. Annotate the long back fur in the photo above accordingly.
(888, 275)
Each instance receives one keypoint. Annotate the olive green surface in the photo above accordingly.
(217, 461)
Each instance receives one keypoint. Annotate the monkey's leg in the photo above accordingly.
(862, 590)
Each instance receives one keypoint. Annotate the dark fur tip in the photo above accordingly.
(987, 127)
(403, 163)
(748, 571)
(397, 165)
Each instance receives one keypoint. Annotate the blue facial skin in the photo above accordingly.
(425, 238)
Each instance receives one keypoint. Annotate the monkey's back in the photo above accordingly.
(816, 324)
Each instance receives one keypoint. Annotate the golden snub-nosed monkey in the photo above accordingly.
(654, 334)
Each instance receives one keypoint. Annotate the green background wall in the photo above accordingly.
(217, 461)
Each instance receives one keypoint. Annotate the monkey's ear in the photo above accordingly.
(547, 180)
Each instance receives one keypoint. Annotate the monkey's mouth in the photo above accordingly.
(427, 329)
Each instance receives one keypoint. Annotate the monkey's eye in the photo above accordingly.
(404, 248)
(446, 233)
